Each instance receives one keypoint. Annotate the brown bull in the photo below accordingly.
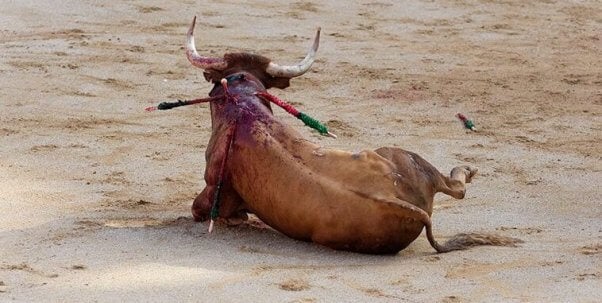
(371, 202)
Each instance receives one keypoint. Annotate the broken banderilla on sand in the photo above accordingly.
(467, 122)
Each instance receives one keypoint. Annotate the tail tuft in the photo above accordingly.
(464, 241)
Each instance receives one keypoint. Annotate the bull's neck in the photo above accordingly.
(239, 103)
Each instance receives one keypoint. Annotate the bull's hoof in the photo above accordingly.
(236, 219)
(468, 171)
(257, 223)
(471, 172)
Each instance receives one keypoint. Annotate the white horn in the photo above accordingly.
(291, 71)
(198, 60)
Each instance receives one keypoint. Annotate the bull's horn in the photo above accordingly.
(291, 71)
(198, 60)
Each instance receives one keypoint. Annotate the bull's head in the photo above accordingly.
(268, 72)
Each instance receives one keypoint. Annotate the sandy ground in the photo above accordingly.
(95, 192)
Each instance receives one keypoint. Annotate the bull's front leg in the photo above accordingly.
(219, 197)
(231, 207)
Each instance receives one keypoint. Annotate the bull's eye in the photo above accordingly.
(235, 77)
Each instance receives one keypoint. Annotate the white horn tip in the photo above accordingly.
(191, 28)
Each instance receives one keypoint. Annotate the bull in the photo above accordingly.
(375, 202)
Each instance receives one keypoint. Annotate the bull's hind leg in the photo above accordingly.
(455, 184)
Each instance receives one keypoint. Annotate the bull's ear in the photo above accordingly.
(207, 76)
(278, 82)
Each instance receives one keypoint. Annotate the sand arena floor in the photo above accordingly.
(95, 192)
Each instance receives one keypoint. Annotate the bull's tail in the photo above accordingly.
(464, 241)
(457, 242)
